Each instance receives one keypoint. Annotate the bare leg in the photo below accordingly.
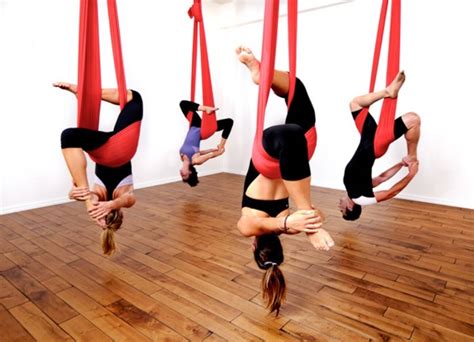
(413, 122)
(110, 95)
(300, 194)
(281, 80)
(391, 91)
(77, 164)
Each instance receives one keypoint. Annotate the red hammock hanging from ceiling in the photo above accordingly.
(209, 122)
(384, 135)
(264, 163)
(121, 147)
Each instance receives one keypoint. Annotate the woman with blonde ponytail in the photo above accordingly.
(265, 212)
(113, 185)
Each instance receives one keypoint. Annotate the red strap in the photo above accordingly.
(89, 87)
(264, 163)
(89, 83)
(389, 105)
(120, 148)
(209, 121)
(117, 52)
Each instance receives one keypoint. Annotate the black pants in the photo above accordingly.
(89, 139)
(287, 142)
(224, 125)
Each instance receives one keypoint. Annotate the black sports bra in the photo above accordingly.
(112, 176)
(271, 207)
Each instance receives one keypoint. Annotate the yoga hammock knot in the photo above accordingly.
(195, 12)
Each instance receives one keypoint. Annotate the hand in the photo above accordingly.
(304, 221)
(321, 240)
(100, 210)
(79, 194)
(66, 86)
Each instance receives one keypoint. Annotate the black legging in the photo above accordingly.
(89, 139)
(224, 125)
(287, 142)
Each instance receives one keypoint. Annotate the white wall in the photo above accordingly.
(335, 47)
(38, 40)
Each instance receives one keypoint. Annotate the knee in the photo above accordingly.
(69, 138)
(354, 104)
(294, 137)
(412, 120)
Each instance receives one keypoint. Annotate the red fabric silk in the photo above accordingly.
(384, 135)
(121, 147)
(209, 121)
(265, 164)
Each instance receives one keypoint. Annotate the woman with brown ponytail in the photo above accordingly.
(113, 186)
(265, 213)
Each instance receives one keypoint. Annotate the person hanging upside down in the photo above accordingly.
(113, 186)
(373, 138)
(189, 152)
(265, 212)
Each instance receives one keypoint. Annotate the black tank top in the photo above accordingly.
(112, 176)
(271, 207)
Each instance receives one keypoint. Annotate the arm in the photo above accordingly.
(125, 200)
(387, 174)
(102, 208)
(300, 221)
(208, 151)
(202, 158)
(395, 189)
(256, 226)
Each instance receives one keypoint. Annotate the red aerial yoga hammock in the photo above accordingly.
(264, 163)
(209, 122)
(121, 147)
(384, 135)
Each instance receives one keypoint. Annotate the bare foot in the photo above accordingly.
(394, 87)
(66, 86)
(247, 57)
(321, 240)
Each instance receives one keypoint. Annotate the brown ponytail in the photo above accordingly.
(268, 255)
(114, 222)
(273, 288)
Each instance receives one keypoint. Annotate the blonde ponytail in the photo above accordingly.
(114, 222)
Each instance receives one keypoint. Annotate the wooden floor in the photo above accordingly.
(405, 271)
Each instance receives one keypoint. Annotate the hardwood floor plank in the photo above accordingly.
(38, 324)
(102, 318)
(11, 329)
(44, 299)
(9, 295)
(83, 330)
